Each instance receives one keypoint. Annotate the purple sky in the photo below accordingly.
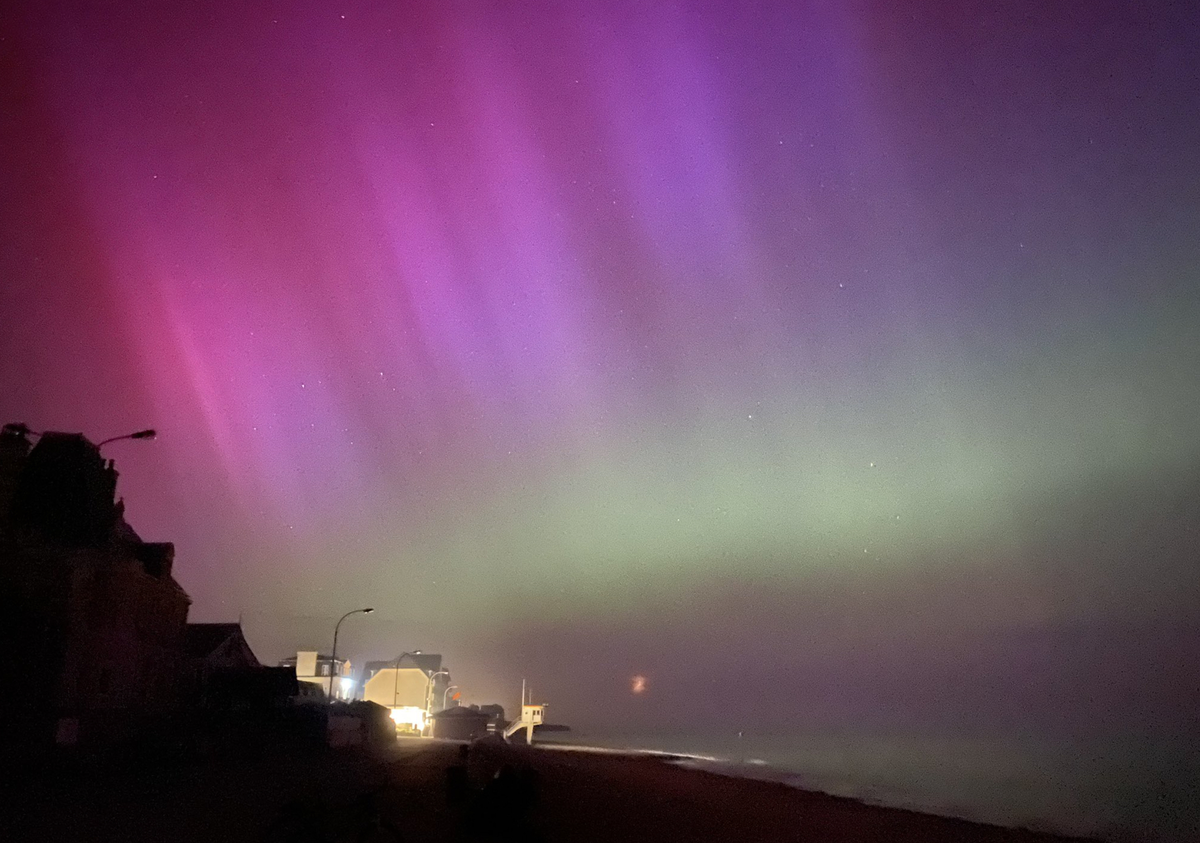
(837, 360)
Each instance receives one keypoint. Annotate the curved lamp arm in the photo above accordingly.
(429, 687)
(333, 657)
(149, 433)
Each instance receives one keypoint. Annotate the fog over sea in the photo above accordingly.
(1119, 789)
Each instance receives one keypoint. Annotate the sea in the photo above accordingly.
(1132, 789)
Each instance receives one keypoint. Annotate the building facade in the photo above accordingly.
(315, 670)
(411, 686)
(90, 604)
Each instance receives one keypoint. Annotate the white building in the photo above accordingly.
(412, 686)
(316, 670)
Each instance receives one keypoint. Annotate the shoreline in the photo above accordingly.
(671, 797)
(756, 769)
(533, 794)
(1129, 810)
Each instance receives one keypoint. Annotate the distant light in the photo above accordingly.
(638, 684)
(409, 715)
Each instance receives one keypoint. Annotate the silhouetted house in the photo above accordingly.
(460, 723)
(411, 686)
(218, 646)
(225, 673)
(313, 669)
(92, 608)
(251, 688)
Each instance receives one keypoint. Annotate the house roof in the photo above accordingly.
(201, 640)
(63, 488)
(427, 663)
(460, 713)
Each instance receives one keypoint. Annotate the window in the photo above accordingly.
(324, 670)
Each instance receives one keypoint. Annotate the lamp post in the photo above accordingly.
(429, 689)
(333, 658)
(396, 675)
(140, 434)
(444, 693)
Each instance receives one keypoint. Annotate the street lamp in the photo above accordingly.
(444, 693)
(396, 675)
(429, 689)
(141, 434)
(333, 658)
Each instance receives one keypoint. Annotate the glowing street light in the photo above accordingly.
(333, 658)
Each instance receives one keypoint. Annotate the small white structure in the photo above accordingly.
(314, 670)
(531, 715)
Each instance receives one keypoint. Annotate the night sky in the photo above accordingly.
(823, 362)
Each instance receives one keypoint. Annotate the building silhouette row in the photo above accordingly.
(94, 610)
(95, 613)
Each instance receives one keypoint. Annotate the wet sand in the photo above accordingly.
(539, 795)
(604, 797)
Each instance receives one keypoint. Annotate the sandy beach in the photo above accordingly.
(421, 790)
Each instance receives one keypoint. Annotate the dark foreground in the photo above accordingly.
(421, 791)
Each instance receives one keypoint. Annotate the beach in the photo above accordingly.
(423, 790)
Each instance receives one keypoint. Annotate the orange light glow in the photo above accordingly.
(638, 685)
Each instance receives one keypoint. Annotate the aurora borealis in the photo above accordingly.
(827, 360)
